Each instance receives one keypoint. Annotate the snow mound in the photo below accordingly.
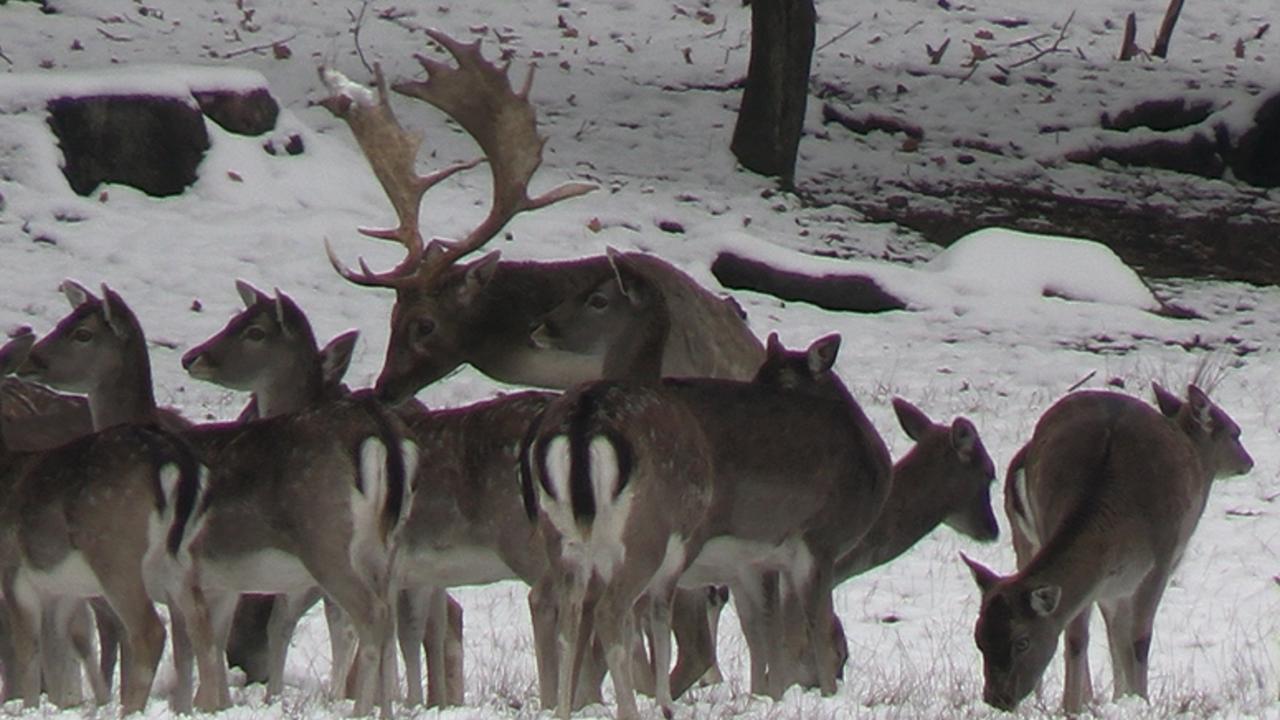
(1010, 263)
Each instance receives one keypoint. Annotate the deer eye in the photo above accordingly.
(598, 301)
(1021, 645)
(83, 335)
(425, 327)
(255, 334)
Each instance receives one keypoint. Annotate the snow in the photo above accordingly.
(621, 107)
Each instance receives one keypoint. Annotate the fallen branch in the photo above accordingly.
(839, 35)
(1082, 381)
(870, 122)
(1062, 34)
(256, 48)
(114, 38)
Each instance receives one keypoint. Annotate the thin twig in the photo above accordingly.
(355, 34)
(839, 35)
(1082, 381)
(256, 48)
(114, 38)
(1052, 48)
(1029, 40)
(5, 57)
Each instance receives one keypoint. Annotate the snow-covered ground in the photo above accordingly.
(617, 89)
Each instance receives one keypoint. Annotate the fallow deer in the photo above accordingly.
(624, 319)
(480, 313)
(620, 479)
(103, 516)
(269, 349)
(36, 418)
(1102, 502)
(945, 479)
(292, 502)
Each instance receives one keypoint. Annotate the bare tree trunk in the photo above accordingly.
(771, 117)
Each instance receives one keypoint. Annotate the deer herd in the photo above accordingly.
(683, 457)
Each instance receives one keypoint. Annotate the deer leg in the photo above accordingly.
(1118, 615)
(815, 590)
(247, 645)
(183, 690)
(143, 637)
(25, 612)
(370, 616)
(642, 666)
(286, 610)
(59, 665)
(660, 602)
(542, 615)
(434, 640)
(454, 657)
(748, 596)
(694, 628)
(342, 650)
(613, 616)
(202, 614)
(412, 607)
(108, 639)
(82, 629)
(1077, 684)
(573, 591)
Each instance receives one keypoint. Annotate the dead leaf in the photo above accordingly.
(985, 34)
(594, 225)
(235, 176)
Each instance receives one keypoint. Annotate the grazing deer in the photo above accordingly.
(269, 349)
(480, 313)
(129, 481)
(620, 479)
(944, 479)
(1102, 502)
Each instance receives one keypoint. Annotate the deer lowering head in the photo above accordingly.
(434, 297)
(1090, 526)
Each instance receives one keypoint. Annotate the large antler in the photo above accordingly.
(478, 95)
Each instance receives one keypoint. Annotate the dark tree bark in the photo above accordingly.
(771, 116)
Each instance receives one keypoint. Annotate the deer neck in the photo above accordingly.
(127, 397)
(916, 505)
(289, 391)
(637, 356)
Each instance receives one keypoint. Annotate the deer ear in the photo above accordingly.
(1168, 403)
(1044, 599)
(75, 293)
(249, 294)
(289, 316)
(335, 357)
(913, 421)
(15, 351)
(984, 576)
(630, 283)
(964, 438)
(116, 312)
(480, 272)
(1201, 408)
(822, 353)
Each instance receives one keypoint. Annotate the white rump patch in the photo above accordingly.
(1025, 520)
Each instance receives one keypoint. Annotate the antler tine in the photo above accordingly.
(391, 151)
(478, 95)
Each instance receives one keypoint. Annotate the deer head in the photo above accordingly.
(958, 448)
(1215, 435)
(269, 349)
(99, 350)
(434, 297)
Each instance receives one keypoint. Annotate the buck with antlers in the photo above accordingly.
(480, 313)
(103, 516)
(1102, 502)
